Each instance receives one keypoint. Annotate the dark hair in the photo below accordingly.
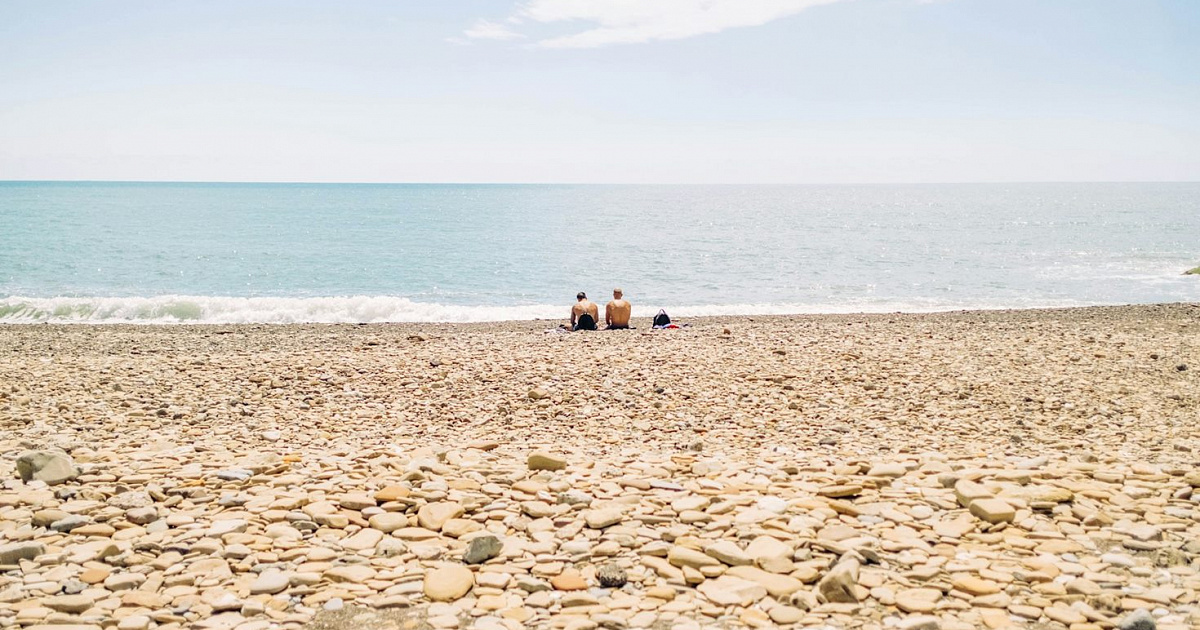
(581, 296)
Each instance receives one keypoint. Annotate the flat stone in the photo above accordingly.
(888, 470)
(389, 522)
(141, 515)
(14, 553)
(73, 604)
(921, 622)
(542, 460)
(993, 510)
(363, 539)
(448, 583)
(727, 590)
(599, 519)
(728, 552)
(392, 493)
(433, 516)
(1140, 619)
(785, 614)
(269, 583)
(51, 467)
(685, 557)
(839, 586)
(918, 600)
(974, 585)
(134, 622)
(967, 492)
(840, 491)
(779, 586)
(569, 580)
(481, 549)
(354, 573)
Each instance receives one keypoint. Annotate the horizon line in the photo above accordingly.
(532, 183)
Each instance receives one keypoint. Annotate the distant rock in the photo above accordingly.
(51, 467)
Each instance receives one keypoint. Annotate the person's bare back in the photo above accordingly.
(584, 306)
(616, 314)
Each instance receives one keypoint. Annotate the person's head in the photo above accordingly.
(617, 294)
(581, 296)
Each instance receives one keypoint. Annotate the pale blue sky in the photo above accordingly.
(806, 91)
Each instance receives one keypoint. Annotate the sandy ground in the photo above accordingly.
(1023, 469)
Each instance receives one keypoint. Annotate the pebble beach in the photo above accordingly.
(984, 469)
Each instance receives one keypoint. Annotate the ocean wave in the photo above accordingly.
(185, 309)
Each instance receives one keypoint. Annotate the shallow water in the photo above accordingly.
(103, 252)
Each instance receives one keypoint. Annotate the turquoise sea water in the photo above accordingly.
(108, 252)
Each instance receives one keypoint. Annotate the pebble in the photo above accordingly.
(611, 575)
(546, 461)
(1140, 619)
(49, 467)
(884, 470)
(448, 583)
(481, 549)
(270, 582)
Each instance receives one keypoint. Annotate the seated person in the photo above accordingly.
(616, 314)
(584, 313)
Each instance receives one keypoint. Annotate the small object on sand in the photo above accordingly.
(51, 467)
(482, 549)
(1192, 272)
(542, 460)
(611, 575)
(1140, 619)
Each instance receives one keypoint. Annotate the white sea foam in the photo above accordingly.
(184, 309)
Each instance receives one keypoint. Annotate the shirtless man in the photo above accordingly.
(584, 307)
(616, 314)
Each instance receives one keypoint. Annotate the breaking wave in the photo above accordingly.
(184, 309)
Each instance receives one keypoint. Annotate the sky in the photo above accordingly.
(600, 91)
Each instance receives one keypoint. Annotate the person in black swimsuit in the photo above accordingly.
(584, 313)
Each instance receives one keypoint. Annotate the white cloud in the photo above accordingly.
(485, 29)
(635, 21)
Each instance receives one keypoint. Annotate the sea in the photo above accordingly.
(167, 253)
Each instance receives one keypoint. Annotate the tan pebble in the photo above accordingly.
(840, 491)
(391, 493)
(918, 600)
(569, 580)
(993, 510)
(685, 557)
(433, 516)
(974, 585)
(839, 586)
(731, 591)
(448, 583)
(542, 460)
(786, 614)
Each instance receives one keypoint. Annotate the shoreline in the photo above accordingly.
(183, 310)
(964, 312)
(1016, 468)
